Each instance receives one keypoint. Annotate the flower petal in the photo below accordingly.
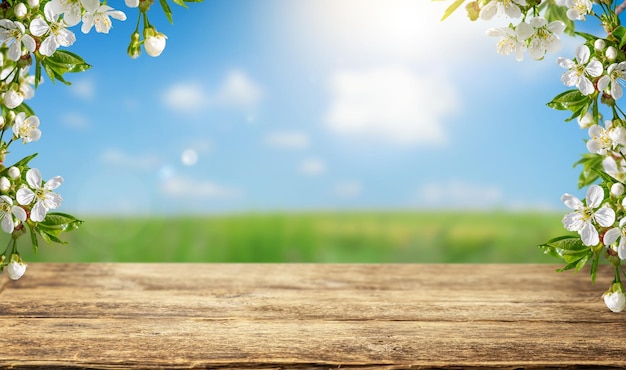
(588, 234)
(605, 216)
(595, 196)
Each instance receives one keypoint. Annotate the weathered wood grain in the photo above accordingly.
(300, 316)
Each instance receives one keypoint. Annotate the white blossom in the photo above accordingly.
(132, 3)
(26, 128)
(5, 184)
(586, 215)
(99, 16)
(613, 79)
(545, 37)
(42, 196)
(71, 9)
(13, 172)
(155, 44)
(20, 10)
(578, 9)
(7, 212)
(617, 189)
(612, 235)
(615, 168)
(511, 40)
(13, 34)
(580, 70)
(605, 139)
(16, 269)
(509, 7)
(54, 29)
(615, 301)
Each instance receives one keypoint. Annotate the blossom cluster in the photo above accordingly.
(596, 75)
(36, 32)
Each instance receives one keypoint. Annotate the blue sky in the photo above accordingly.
(306, 105)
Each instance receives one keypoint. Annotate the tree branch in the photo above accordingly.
(620, 8)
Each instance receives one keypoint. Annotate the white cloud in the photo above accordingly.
(460, 195)
(238, 90)
(312, 167)
(348, 189)
(119, 158)
(186, 97)
(84, 89)
(391, 103)
(75, 120)
(179, 186)
(287, 140)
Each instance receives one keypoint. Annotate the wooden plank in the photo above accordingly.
(300, 316)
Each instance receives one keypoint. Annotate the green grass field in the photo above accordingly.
(310, 237)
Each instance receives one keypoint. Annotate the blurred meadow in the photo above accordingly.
(351, 237)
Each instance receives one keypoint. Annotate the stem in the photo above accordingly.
(620, 8)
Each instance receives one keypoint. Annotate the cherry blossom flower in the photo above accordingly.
(584, 216)
(512, 40)
(545, 37)
(16, 268)
(7, 212)
(580, 70)
(615, 301)
(578, 9)
(613, 79)
(54, 28)
(42, 196)
(615, 168)
(155, 44)
(99, 16)
(71, 9)
(605, 139)
(509, 7)
(616, 233)
(13, 34)
(26, 128)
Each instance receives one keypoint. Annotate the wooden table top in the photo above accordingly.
(391, 316)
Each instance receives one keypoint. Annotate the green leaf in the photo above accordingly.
(60, 221)
(592, 169)
(33, 239)
(167, 10)
(620, 34)
(49, 236)
(569, 100)
(181, 3)
(455, 5)
(69, 61)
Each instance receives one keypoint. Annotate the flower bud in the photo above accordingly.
(33, 3)
(134, 49)
(599, 45)
(20, 10)
(615, 300)
(5, 184)
(617, 189)
(13, 98)
(132, 3)
(14, 172)
(16, 268)
(587, 120)
(155, 44)
(611, 53)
